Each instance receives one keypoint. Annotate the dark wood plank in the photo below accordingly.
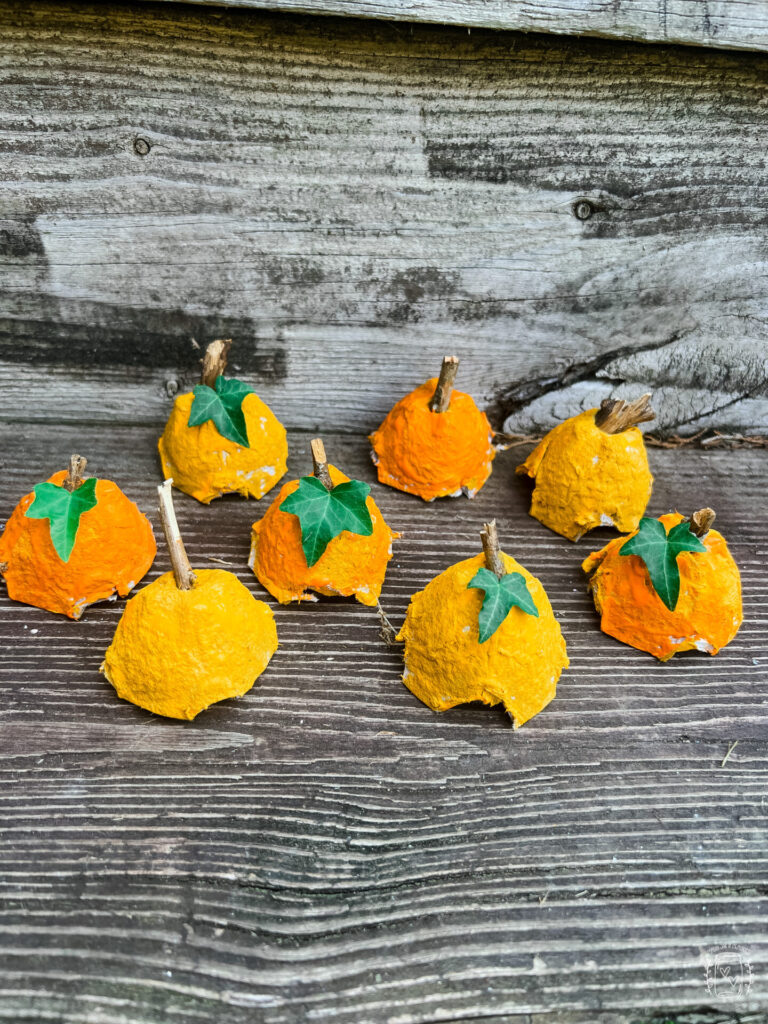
(327, 849)
(741, 25)
(350, 200)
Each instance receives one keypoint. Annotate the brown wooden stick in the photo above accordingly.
(320, 464)
(701, 521)
(215, 361)
(74, 477)
(182, 570)
(615, 415)
(490, 539)
(442, 396)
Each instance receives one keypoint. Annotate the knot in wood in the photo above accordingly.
(583, 209)
(141, 147)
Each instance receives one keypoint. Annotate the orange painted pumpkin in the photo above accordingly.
(434, 454)
(706, 615)
(113, 549)
(351, 565)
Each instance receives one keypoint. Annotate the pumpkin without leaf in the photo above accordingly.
(592, 470)
(188, 640)
(435, 442)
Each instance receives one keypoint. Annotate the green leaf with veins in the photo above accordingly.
(501, 596)
(659, 550)
(62, 509)
(324, 514)
(223, 405)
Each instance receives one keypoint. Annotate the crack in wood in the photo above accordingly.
(513, 399)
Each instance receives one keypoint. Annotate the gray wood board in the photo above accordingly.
(350, 200)
(730, 24)
(328, 849)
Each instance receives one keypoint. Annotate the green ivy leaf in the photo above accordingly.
(223, 405)
(324, 514)
(501, 596)
(63, 508)
(659, 550)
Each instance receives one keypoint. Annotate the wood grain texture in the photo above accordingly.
(730, 24)
(327, 849)
(351, 200)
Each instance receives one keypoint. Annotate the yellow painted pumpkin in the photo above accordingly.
(586, 476)
(222, 438)
(447, 661)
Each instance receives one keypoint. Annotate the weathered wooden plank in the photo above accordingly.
(729, 24)
(350, 200)
(327, 849)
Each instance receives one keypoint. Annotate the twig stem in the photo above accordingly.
(320, 464)
(615, 415)
(442, 396)
(74, 477)
(182, 570)
(490, 539)
(215, 360)
(701, 521)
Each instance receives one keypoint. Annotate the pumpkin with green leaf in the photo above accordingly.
(483, 630)
(322, 533)
(671, 586)
(74, 541)
(221, 438)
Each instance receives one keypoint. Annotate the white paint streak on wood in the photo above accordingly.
(158, 735)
